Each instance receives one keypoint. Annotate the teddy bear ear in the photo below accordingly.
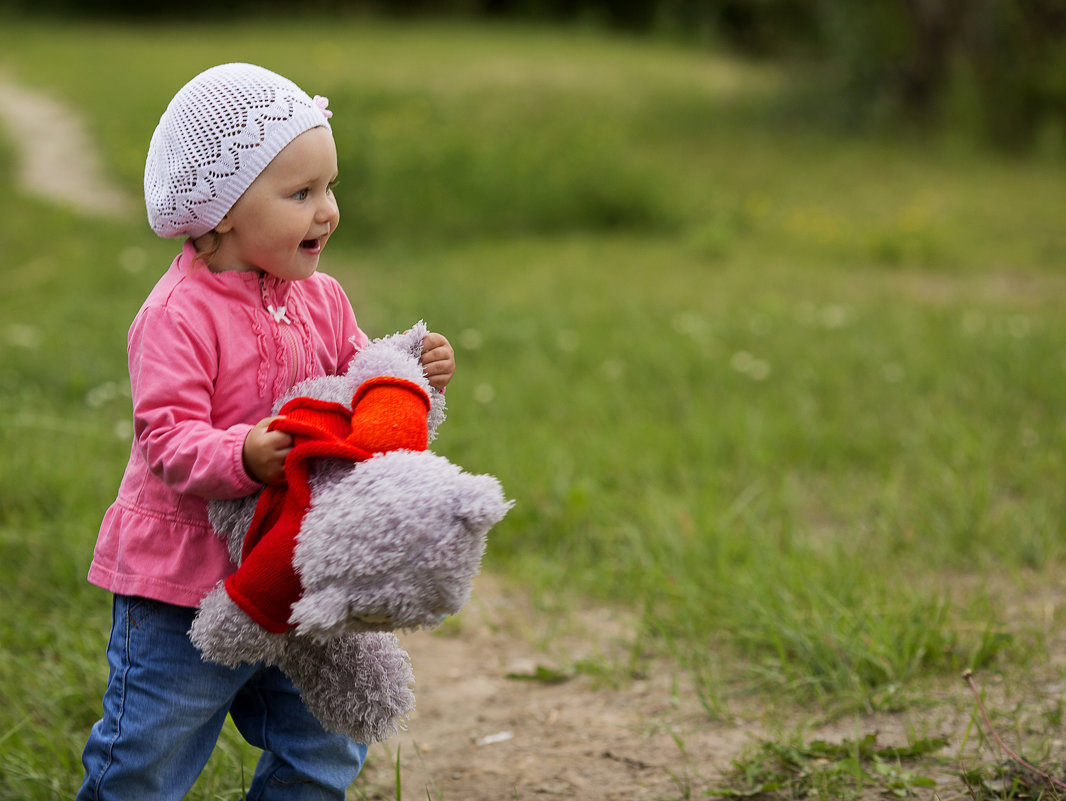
(481, 504)
(410, 340)
(414, 335)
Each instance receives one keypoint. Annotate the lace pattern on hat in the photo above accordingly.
(217, 135)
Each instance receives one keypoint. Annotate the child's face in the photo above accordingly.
(282, 221)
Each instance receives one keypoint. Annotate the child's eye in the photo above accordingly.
(332, 185)
(301, 195)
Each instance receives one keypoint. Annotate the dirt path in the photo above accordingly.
(55, 157)
(479, 735)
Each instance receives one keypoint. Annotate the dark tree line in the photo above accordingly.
(901, 59)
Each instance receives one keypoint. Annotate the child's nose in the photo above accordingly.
(328, 212)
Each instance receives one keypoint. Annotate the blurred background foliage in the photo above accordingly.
(994, 67)
(791, 399)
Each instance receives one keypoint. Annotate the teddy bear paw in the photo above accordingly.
(226, 635)
(356, 684)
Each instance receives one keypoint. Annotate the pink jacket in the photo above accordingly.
(208, 355)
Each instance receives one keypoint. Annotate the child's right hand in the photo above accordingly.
(265, 452)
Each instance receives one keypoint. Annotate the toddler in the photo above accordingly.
(242, 166)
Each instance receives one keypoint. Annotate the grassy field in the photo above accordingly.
(794, 398)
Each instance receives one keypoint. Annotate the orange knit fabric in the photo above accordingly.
(389, 415)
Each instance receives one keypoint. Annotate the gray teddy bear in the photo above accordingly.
(371, 533)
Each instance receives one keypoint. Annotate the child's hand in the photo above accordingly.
(265, 452)
(438, 360)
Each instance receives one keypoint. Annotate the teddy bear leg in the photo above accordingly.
(356, 684)
(224, 633)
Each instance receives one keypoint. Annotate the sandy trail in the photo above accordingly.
(478, 734)
(55, 157)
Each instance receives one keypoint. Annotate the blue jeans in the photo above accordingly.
(164, 708)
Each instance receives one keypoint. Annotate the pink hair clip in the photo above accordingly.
(322, 102)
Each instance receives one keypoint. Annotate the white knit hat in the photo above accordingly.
(219, 132)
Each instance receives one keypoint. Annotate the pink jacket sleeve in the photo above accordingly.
(172, 372)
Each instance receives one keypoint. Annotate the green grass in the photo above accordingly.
(796, 400)
(830, 770)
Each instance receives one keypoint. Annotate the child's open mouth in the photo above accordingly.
(311, 245)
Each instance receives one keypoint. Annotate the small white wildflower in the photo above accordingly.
(741, 361)
(756, 369)
(690, 324)
(98, 396)
(133, 259)
(759, 370)
(106, 392)
(567, 341)
(470, 339)
(484, 393)
(835, 316)
(23, 336)
(614, 369)
(893, 372)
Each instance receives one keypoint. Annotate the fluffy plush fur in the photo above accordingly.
(386, 544)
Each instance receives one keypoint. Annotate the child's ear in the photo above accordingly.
(224, 225)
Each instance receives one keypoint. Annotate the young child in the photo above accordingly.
(241, 165)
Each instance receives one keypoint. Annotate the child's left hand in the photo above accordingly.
(438, 360)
